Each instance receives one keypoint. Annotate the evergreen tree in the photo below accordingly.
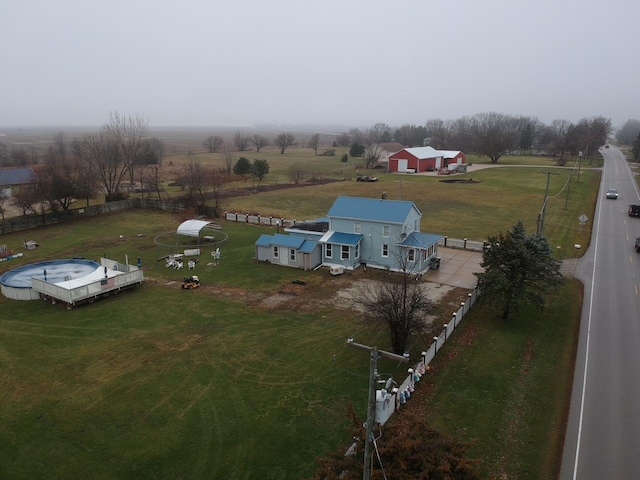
(518, 268)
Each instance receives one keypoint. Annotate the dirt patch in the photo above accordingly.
(346, 297)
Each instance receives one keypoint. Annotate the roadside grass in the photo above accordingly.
(505, 386)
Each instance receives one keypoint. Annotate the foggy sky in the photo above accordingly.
(329, 62)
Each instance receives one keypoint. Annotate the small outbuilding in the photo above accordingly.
(198, 229)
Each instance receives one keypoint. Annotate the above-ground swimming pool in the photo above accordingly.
(16, 283)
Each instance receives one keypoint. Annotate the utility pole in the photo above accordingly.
(544, 205)
(579, 164)
(375, 354)
(566, 202)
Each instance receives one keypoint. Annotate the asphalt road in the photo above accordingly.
(603, 433)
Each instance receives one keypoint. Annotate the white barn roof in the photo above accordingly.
(192, 228)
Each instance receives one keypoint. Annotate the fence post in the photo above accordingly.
(435, 339)
(445, 240)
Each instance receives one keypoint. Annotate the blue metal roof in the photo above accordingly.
(17, 176)
(421, 240)
(308, 247)
(279, 240)
(340, 238)
(377, 210)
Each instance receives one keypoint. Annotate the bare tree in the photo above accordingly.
(528, 129)
(3, 209)
(372, 156)
(462, 134)
(63, 178)
(27, 199)
(213, 143)
(594, 132)
(103, 153)
(314, 142)
(197, 180)
(229, 159)
(20, 157)
(284, 141)
(437, 133)
(241, 141)
(219, 181)
(343, 140)
(128, 133)
(401, 304)
(628, 133)
(496, 134)
(259, 141)
(297, 173)
(4, 155)
(379, 133)
(151, 181)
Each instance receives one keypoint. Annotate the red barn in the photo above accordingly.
(424, 159)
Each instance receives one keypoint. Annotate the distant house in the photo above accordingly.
(13, 179)
(424, 159)
(357, 232)
(388, 149)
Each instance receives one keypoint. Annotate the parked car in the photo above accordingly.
(612, 193)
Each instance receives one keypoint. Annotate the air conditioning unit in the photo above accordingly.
(336, 270)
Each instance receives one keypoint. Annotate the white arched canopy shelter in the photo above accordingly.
(193, 228)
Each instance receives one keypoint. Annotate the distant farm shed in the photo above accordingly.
(13, 179)
(424, 159)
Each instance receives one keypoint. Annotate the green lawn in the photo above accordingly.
(216, 383)
(160, 382)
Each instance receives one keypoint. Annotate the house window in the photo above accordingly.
(292, 254)
(385, 250)
(344, 253)
(356, 227)
(276, 253)
(411, 255)
(328, 250)
(425, 254)
(357, 252)
(385, 230)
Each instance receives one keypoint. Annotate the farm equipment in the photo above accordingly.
(191, 282)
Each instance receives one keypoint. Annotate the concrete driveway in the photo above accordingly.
(457, 268)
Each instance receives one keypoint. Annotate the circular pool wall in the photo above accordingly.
(16, 283)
